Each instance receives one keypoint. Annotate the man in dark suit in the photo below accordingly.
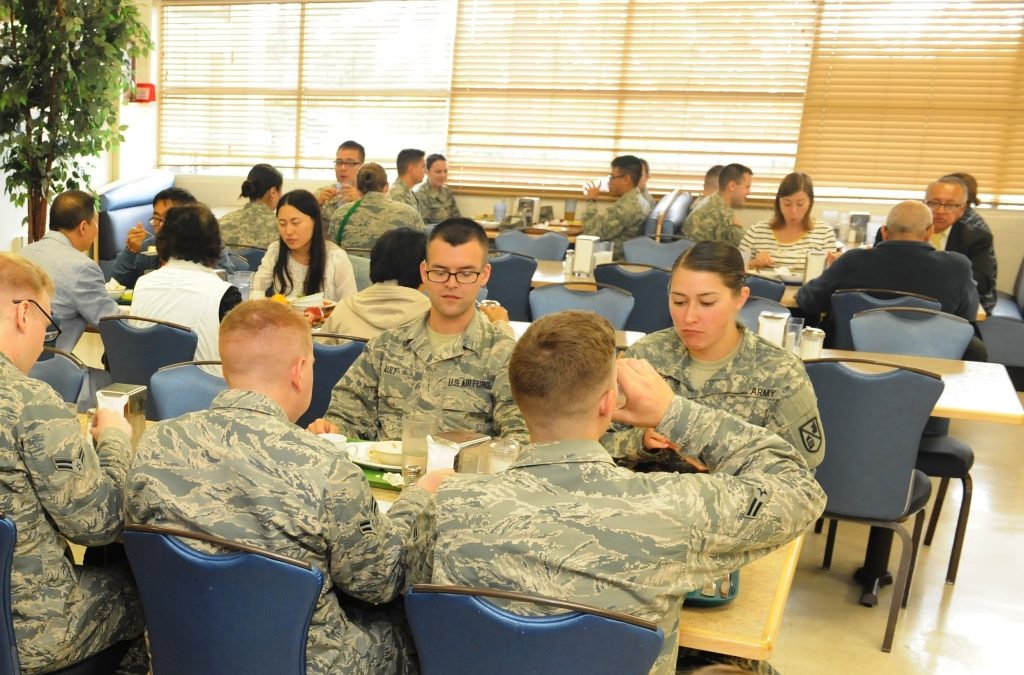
(905, 261)
(958, 228)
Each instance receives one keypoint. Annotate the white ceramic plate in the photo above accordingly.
(359, 452)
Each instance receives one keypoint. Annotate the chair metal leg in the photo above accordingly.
(940, 496)
(961, 529)
(818, 525)
(918, 526)
(830, 542)
(900, 586)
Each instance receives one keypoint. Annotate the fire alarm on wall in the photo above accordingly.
(145, 92)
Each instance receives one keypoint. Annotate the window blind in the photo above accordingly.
(287, 82)
(901, 93)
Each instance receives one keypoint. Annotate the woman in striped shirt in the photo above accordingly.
(785, 239)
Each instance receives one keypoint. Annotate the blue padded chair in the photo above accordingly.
(848, 302)
(253, 256)
(612, 303)
(183, 388)
(135, 353)
(62, 371)
(459, 631)
(667, 216)
(546, 246)
(649, 287)
(330, 362)
(240, 262)
(752, 308)
(510, 283)
(763, 287)
(195, 602)
(361, 269)
(103, 663)
(873, 424)
(926, 332)
(123, 204)
(646, 251)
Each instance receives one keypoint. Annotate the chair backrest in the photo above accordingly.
(510, 283)
(240, 262)
(329, 363)
(872, 425)
(846, 303)
(182, 388)
(911, 331)
(649, 287)
(752, 308)
(253, 256)
(361, 270)
(125, 203)
(62, 371)
(9, 664)
(612, 303)
(671, 210)
(547, 246)
(646, 251)
(763, 287)
(244, 611)
(135, 353)
(459, 631)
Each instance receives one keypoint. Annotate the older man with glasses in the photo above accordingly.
(452, 363)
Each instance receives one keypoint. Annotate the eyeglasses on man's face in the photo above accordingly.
(612, 176)
(462, 276)
(347, 163)
(936, 205)
(52, 330)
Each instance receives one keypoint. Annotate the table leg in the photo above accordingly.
(874, 574)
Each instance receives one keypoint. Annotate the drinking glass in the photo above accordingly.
(794, 327)
(415, 429)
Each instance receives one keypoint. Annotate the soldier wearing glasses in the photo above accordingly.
(347, 160)
(625, 218)
(56, 487)
(451, 363)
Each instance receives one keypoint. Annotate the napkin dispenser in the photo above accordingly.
(583, 261)
(528, 209)
(130, 401)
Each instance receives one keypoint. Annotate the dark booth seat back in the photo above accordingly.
(125, 203)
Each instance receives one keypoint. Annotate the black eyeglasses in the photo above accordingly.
(936, 205)
(462, 276)
(53, 330)
(347, 163)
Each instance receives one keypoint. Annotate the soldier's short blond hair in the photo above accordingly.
(21, 277)
(562, 363)
(257, 334)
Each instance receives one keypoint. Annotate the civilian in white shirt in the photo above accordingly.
(302, 262)
(187, 290)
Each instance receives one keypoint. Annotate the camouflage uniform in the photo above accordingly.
(648, 196)
(465, 385)
(241, 471)
(436, 205)
(623, 220)
(400, 192)
(375, 215)
(763, 384)
(565, 522)
(53, 485)
(255, 224)
(713, 221)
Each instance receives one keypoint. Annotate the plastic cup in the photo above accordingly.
(500, 211)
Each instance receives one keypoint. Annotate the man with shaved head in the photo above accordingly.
(905, 261)
(243, 471)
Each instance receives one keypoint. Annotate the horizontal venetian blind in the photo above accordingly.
(901, 93)
(286, 82)
(546, 93)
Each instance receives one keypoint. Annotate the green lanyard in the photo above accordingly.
(344, 221)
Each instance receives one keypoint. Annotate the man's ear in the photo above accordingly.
(885, 233)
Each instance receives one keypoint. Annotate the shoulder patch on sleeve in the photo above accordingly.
(810, 435)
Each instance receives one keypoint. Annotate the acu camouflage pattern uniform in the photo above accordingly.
(622, 220)
(400, 192)
(464, 385)
(241, 471)
(763, 384)
(375, 215)
(53, 485)
(564, 521)
(255, 224)
(436, 205)
(713, 221)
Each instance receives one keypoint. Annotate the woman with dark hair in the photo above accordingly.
(394, 298)
(187, 290)
(785, 239)
(708, 356)
(437, 203)
(255, 224)
(301, 262)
